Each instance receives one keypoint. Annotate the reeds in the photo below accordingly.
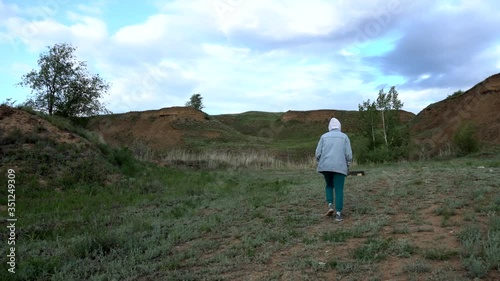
(214, 159)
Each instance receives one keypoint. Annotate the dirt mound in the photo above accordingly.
(156, 130)
(434, 127)
(310, 116)
(348, 118)
(15, 123)
(51, 151)
(173, 113)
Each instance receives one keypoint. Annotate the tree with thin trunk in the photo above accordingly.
(382, 105)
(388, 104)
(393, 121)
(385, 138)
(63, 86)
(368, 111)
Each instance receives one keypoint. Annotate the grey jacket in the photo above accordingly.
(333, 152)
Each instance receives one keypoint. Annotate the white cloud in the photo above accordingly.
(241, 55)
(85, 32)
(94, 9)
(281, 19)
(416, 100)
(153, 31)
(422, 77)
(148, 86)
(7, 10)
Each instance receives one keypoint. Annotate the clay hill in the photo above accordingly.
(186, 127)
(161, 129)
(20, 131)
(154, 127)
(291, 132)
(431, 130)
(348, 118)
(434, 127)
(51, 151)
(16, 123)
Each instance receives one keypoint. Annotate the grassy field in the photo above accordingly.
(435, 220)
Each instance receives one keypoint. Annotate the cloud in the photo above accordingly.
(416, 100)
(445, 45)
(279, 20)
(7, 10)
(276, 80)
(270, 55)
(153, 31)
(93, 9)
(84, 32)
(148, 86)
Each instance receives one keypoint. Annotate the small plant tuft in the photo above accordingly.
(439, 254)
(465, 139)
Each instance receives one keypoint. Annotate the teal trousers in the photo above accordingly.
(335, 181)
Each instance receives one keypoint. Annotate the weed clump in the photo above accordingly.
(465, 140)
(481, 249)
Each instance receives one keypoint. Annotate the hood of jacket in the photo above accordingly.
(334, 124)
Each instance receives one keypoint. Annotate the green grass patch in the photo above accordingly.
(417, 267)
(439, 254)
(153, 222)
(337, 236)
(372, 250)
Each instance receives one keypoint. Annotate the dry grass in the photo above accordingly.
(214, 159)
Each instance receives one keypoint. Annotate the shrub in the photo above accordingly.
(465, 140)
(379, 154)
(476, 267)
(455, 94)
(83, 169)
(367, 152)
(124, 159)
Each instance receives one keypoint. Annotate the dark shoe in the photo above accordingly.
(338, 216)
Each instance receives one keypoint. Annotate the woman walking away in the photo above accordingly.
(334, 155)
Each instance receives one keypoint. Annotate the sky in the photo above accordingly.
(258, 55)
